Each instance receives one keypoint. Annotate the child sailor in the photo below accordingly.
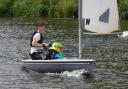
(55, 52)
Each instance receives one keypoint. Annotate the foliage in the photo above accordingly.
(38, 8)
(123, 8)
(26, 8)
(48, 8)
(5, 8)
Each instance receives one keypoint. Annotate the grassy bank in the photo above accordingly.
(48, 8)
(124, 25)
(38, 8)
(123, 8)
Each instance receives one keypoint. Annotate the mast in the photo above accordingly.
(80, 52)
(79, 19)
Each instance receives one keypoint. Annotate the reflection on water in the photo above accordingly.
(110, 53)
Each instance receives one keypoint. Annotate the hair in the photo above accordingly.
(40, 23)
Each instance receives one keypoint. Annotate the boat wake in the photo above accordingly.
(123, 35)
(75, 73)
(69, 74)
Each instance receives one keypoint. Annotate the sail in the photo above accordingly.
(100, 16)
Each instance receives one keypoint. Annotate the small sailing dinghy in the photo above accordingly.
(98, 16)
(52, 63)
(58, 66)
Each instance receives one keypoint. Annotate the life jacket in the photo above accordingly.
(40, 41)
(52, 54)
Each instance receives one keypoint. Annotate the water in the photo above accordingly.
(109, 52)
(111, 66)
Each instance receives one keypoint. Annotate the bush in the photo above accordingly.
(123, 8)
(48, 8)
(5, 8)
(26, 8)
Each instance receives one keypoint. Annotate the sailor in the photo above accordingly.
(55, 52)
(36, 42)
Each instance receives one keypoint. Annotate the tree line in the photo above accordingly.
(49, 8)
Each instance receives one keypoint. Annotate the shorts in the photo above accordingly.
(36, 56)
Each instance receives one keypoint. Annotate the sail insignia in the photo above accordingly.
(87, 21)
(105, 17)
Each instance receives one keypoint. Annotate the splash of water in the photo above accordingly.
(74, 73)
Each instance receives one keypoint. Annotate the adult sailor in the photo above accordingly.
(36, 42)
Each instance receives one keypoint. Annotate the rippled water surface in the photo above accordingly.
(110, 54)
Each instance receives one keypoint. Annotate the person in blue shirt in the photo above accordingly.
(55, 52)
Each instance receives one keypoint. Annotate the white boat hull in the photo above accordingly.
(58, 66)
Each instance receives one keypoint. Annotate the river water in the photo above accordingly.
(110, 54)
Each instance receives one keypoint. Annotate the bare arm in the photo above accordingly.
(35, 43)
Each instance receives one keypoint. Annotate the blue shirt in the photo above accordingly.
(58, 56)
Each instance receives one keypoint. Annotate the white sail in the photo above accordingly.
(100, 16)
